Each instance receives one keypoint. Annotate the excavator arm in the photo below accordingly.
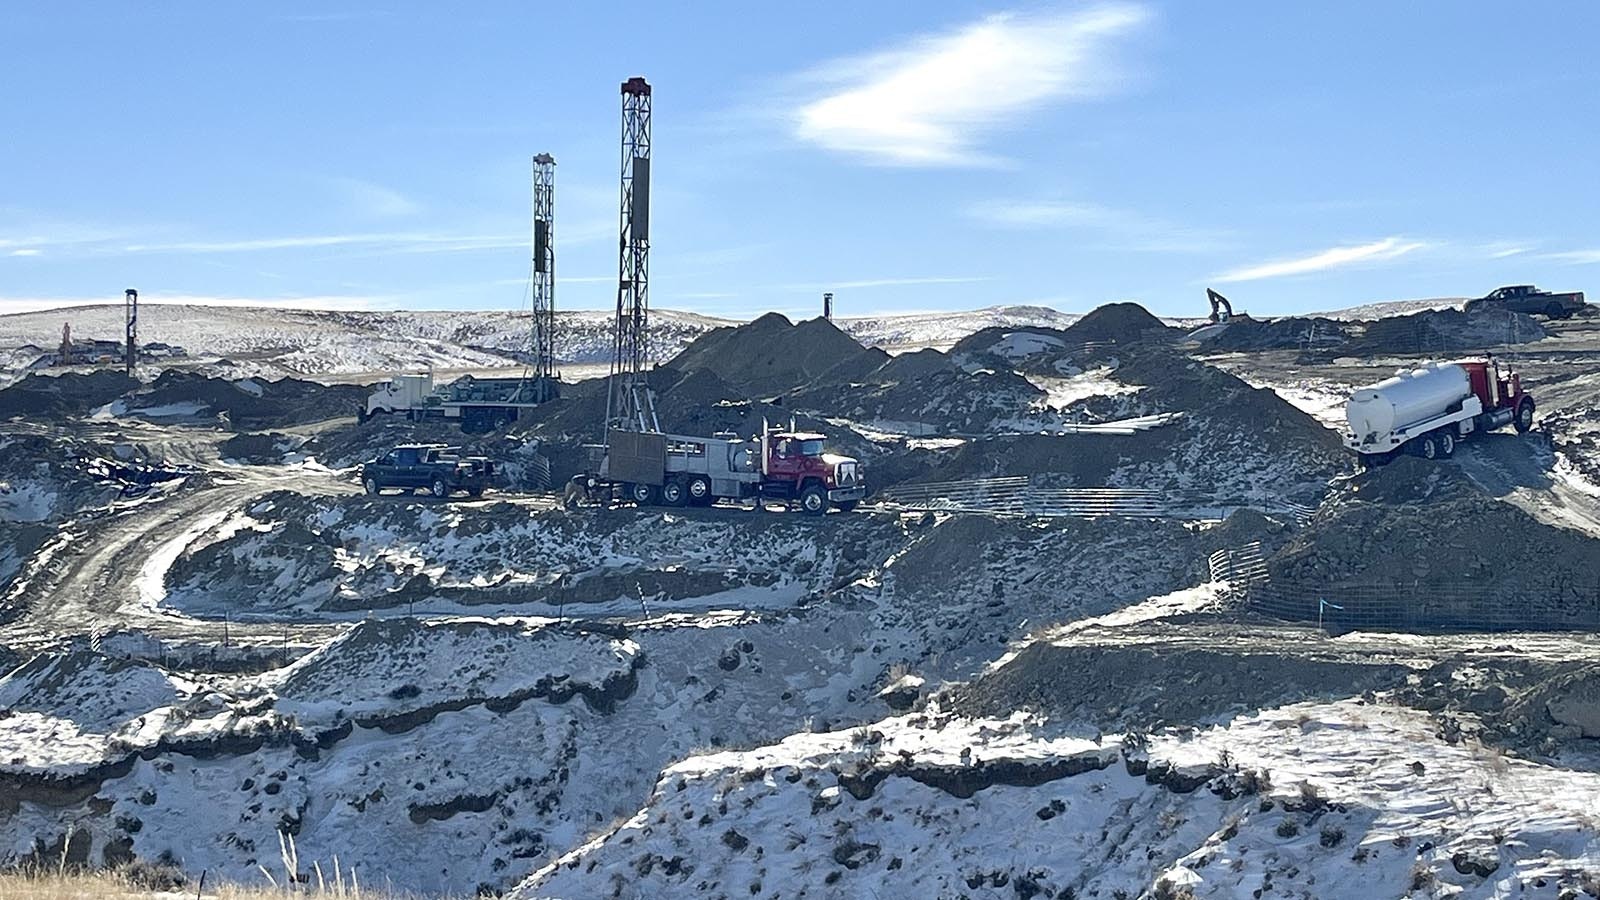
(1221, 309)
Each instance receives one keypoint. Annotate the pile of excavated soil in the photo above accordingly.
(770, 355)
(1440, 330)
(1244, 334)
(1118, 323)
(249, 404)
(259, 449)
(1232, 440)
(923, 389)
(1146, 687)
(1418, 545)
(54, 397)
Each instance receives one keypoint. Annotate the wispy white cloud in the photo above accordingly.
(1575, 257)
(26, 251)
(1332, 258)
(931, 101)
(1115, 228)
(369, 199)
(393, 242)
(1504, 250)
(10, 305)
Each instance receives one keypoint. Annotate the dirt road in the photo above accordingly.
(102, 571)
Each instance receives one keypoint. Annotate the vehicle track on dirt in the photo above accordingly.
(94, 576)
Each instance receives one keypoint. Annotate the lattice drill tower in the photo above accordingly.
(544, 278)
(629, 405)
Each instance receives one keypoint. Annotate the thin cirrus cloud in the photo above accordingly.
(1333, 258)
(1576, 257)
(403, 242)
(930, 102)
(1114, 229)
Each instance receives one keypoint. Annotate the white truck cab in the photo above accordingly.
(399, 394)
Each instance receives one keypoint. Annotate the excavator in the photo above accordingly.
(1221, 309)
(1221, 316)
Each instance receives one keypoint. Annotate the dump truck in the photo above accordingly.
(439, 469)
(1426, 411)
(478, 405)
(1525, 298)
(651, 468)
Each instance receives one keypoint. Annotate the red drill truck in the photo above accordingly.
(680, 470)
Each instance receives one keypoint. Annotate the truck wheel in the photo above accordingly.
(848, 505)
(700, 491)
(1427, 447)
(1447, 444)
(1554, 311)
(475, 492)
(440, 489)
(813, 501)
(1523, 420)
(672, 493)
(370, 485)
(642, 494)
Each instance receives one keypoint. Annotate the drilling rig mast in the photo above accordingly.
(544, 278)
(629, 404)
(130, 302)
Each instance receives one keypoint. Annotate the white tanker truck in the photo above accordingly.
(1425, 411)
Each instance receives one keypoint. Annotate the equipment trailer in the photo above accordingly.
(1425, 411)
(478, 405)
(681, 470)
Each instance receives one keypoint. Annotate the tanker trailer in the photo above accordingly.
(1425, 411)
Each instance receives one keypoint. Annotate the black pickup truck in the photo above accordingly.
(436, 468)
(1525, 298)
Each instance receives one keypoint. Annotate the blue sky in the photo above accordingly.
(908, 156)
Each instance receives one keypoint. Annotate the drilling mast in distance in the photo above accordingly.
(130, 303)
(629, 404)
(544, 278)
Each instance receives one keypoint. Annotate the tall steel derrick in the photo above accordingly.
(629, 404)
(542, 377)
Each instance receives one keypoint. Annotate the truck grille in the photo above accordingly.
(846, 474)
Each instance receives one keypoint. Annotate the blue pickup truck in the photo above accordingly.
(438, 469)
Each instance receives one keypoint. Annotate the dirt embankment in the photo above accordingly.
(1418, 545)
(55, 397)
(1445, 330)
(248, 404)
(1244, 333)
(1142, 688)
(1232, 439)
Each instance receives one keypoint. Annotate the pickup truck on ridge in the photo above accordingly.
(439, 469)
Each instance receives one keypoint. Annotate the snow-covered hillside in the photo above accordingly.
(325, 342)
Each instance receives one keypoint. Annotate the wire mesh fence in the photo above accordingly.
(1432, 605)
(1024, 496)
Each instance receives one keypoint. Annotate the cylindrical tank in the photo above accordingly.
(1406, 398)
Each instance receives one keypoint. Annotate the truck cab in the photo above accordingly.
(797, 466)
(402, 393)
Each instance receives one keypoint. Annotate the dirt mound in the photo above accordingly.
(249, 404)
(926, 392)
(1420, 546)
(1117, 323)
(1136, 687)
(770, 355)
(1243, 333)
(1232, 440)
(73, 394)
(260, 449)
(1447, 330)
